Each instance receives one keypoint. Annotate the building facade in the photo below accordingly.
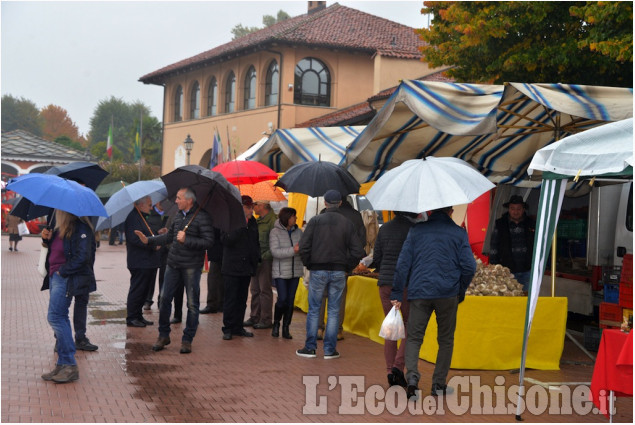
(294, 71)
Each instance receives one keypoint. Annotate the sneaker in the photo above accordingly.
(441, 390)
(85, 345)
(333, 355)
(67, 373)
(305, 352)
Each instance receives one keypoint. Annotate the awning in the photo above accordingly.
(287, 147)
(496, 128)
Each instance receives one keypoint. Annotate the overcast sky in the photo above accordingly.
(76, 53)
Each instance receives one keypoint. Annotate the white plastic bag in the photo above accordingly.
(392, 328)
(41, 265)
(22, 229)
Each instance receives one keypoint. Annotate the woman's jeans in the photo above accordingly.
(286, 289)
(58, 318)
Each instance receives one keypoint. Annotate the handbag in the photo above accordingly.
(392, 328)
(22, 229)
(41, 265)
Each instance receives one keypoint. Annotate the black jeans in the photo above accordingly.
(235, 303)
(140, 281)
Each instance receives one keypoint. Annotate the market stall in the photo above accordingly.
(492, 342)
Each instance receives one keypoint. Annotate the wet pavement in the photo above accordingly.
(256, 379)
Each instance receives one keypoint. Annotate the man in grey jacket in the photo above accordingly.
(436, 264)
(191, 234)
(328, 247)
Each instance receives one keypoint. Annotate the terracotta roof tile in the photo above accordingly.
(336, 26)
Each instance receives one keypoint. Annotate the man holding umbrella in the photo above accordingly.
(191, 234)
(142, 260)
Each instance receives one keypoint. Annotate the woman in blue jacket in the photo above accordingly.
(69, 272)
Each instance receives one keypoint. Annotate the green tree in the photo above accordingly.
(267, 20)
(121, 170)
(125, 120)
(20, 114)
(67, 141)
(531, 41)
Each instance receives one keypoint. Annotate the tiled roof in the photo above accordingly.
(362, 113)
(336, 26)
(20, 145)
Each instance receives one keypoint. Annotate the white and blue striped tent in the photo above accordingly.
(287, 147)
(495, 128)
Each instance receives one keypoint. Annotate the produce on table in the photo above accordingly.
(494, 280)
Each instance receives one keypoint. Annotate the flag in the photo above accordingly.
(228, 157)
(137, 145)
(216, 156)
(109, 142)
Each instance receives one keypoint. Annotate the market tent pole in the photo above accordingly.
(551, 196)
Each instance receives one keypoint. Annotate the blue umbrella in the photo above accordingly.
(56, 192)
(122, 202)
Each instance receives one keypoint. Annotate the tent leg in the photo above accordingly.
(580, 346)
(611, 407)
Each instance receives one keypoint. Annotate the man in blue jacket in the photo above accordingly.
(436, 264)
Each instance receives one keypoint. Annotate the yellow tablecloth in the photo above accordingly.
(489, 331)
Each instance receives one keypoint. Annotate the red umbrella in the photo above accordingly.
(245, 172)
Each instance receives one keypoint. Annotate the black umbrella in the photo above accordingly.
(214, 194)
(86, 173)
(316, 177)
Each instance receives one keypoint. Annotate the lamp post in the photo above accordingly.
(189, 143)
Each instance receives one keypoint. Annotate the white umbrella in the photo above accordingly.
(122, 202)
(420, 185)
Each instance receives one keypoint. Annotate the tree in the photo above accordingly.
(67, 141)
(267, 20)
(561, 42)
(20, 114)
(57, 123)
(125, 120)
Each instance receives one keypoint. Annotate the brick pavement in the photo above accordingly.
(256, 379)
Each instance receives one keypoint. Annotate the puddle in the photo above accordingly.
(108, 314)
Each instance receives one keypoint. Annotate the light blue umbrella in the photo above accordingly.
(56, 192)
(122, 202)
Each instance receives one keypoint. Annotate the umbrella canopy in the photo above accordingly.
(495, 128)
(245, 172)
(316, 177)
(213, 192)
(420, 185)
(59, 193)
(121, 203)
(88, 173)
(612, 147)
(263, 191)
(587, 152)
(287, 147)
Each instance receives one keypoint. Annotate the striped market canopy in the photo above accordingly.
(495, 128)
(287, 147)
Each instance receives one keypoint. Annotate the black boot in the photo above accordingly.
(286, 321)
(277, 314)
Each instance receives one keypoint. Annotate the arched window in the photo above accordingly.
(195, 101)
(312, 83)
(178, 104)
(230, 93)
(272, 84)
(250, 88)
(212, 97)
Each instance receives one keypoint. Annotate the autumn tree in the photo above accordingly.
(564, 42)
(267, 20)
(57, 123)
(20, 114)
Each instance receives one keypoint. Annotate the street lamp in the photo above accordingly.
(189, 143)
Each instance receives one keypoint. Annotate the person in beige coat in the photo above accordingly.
(14, 235)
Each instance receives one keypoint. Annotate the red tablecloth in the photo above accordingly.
(613, 368)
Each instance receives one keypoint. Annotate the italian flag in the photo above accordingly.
(109, 143)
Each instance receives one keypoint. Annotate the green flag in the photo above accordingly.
(137, 145)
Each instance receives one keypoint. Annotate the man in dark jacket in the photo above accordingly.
(386, 252)
(329, 248)
(347, 210)
(513, 240)
(436, 264)
(142, 261)
(241, 255)
(190, 235)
